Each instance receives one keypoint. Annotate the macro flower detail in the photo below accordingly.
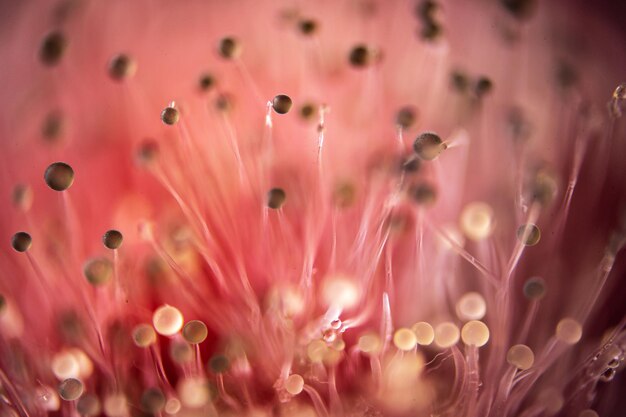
(313, 209)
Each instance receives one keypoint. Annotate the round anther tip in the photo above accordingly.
(534, 288)
(276, 198)
(112, 239)
(218, 364)
(424, 194)
(21, 241)
(148, 152)
(152, 401)
(88, 405)
(229, 48)
(406, 116)
(70, 389)
(428, 146)
(122, 67)
(282, 104)
(170, 115)
(98, 271)
(59, 176)
(52, 48)
(195, 332)
(528, 234)
(307, 27)
(361, 56)
(206, 82)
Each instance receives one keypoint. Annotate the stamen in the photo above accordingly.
(59, 176)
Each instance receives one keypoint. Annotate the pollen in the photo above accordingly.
(282, 104)
(98, 271)
(112, 239)
(370, 343)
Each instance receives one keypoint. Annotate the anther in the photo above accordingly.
(294, 384)
(431, 30)
(426, 9)
(471, 306)
(362, 56)
(282, 104)
(52, 48)
(528, 234)
(115, 405)
(167, 320)
(181, 352)
(483, 86)
(122, 67)
(424, 332)
(459, 81)
(206, 82)
(3, 304)
(88, 405)
(446, 335)
(144, 335)
(59, 176)
(195, 332)
(423, 194)
(148, 152)
(406, 116)
(276, 198)
(152, 401)
(218, 364)
(428, 146)
(224, 102)
(521, 357)
(542, 187)
(476, 220)
(229, 48)
(475, 333)
(70, 389)
(307, 26)
(534, 288)
(22, 197)
(520, 9)
(569, 331)
(588, 413)
(308, 111)
(170, 115)
(21, 241)
(370, 343)
(404, 339)
(112, 239)
(98, 271)
(52, 126)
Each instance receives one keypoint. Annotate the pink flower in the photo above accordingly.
(338, 208)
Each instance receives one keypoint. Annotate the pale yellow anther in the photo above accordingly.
(471, 306)
(404, 339)
(521, 357)
(475, 333)
(294, 384)
(424, 333)
(476, 220)
(446, 335)
(370, 343)
(316, 350)
(167, 320)
(569, 331)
